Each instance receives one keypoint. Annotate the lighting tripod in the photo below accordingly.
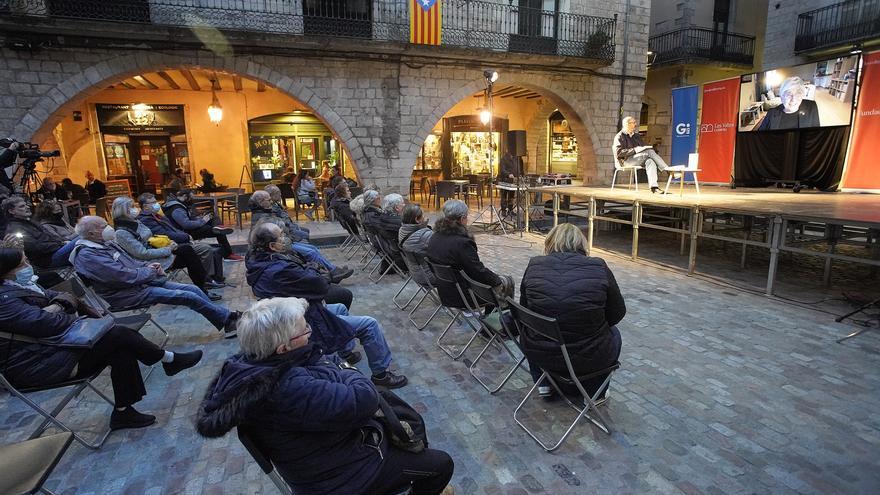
(486, 115)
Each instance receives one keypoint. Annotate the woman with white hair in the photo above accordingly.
(387, 226)
(795, 112)
(135, 239)
(313, 420)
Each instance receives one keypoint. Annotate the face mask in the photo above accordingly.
(108, 234)
(25, 276)
(134, 212)
(155, 207)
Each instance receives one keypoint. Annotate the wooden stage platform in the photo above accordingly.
(810, 222)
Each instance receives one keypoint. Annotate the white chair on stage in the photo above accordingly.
(633, 170)
(691, 168)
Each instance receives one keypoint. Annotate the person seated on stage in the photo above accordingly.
(452, 245)
(28, 310)
(261, 207)
(210, 256)
(275, 270)
(414, 235)
(40, 245)
(177, 210)
(312, 419)
(134, 238)
(49, 215)
(388, 228)
(279, 210)
(50, 190)
(341, 204)
(630, 150)
(581, 293)
(795, 112)
(306, 192)
(124, 281)
(177, 182)
(208, 183)
(95, 187)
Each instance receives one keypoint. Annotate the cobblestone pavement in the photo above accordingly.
(719, 391)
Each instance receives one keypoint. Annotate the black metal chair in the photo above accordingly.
(286, 189)
(455, 309)
(534, 326)
(263, 461)
(27, 465)
(445, 190)
(427, 290)
(494, 323)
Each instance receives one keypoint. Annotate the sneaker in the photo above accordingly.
(230, 330)
(234, 257)
(340, 273)
(182, 361)
(213, 295)
(222, 230)
(388, 379)
(352, 358)
(545, 391)
(657, 190)
(130, 418)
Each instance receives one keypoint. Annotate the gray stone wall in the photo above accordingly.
(781, 24)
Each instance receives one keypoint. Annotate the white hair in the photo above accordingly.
(271, 189)
(791, 84)
(270, 323)
(258, 196)
(370, 196)
(357, 205)
(120, 209)
(88, 223)
(455, 209)
(629, 118)
(391, 201)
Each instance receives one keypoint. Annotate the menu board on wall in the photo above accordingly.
(116, 188)
(140, 118)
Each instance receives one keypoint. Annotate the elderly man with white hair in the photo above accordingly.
(124, 281)
(297, 232)
(384, 222)
(795, 111)
(315, 421)
(630, 150)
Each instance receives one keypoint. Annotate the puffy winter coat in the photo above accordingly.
(344, 212)
(582, 294)
(452, 245)
(311, 419)
(160, 225)
(413, 238)
(39, 245)
(178, 214)
(120, 279)
(132, 237)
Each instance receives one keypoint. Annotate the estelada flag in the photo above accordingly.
(424, 22)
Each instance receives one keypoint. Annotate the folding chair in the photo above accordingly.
(535, 326)
(27, 465)
(494, 323)
(263, 461)
(286, 189)
(446, 274)
(427, 290)
(76, 387)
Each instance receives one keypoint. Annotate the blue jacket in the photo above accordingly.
(311, 419)
(287, 275)
(160, 225)
(117, 277)
(178, 214)
(21, 313)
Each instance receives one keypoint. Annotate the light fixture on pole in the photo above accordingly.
(215, 111)
(487, 117)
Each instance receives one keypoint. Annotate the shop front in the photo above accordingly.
(143, 143)
(468, 146)
(563, 156)
(298, 140)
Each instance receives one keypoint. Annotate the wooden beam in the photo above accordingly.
(217, 82)
(261, 86)
(506, 91)
(145, 82)
(171, 82)
(519, 94)
(126, 85)
(536, 95)
(190, 79)
(236, 82)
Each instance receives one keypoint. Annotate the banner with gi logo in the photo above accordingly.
(684, 125)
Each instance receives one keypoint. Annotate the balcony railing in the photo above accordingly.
(465, 23)
(838, 24)
(695, 44)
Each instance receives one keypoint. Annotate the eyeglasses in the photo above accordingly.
(308, 331)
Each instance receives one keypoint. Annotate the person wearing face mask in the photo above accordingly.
(211, 257)
(274, 269)
(581, 293)
(133, 237)
(40, 245)
(177, 210)
(29, 311)
(795, 112)
(124, 281)
(414, 235)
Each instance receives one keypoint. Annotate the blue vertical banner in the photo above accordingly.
(684, 125)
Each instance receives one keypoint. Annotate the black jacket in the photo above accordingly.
(344, 212)
(452, 245)
(582, 294)
(388, 227)
(39, 244)
(97, 190)
(807, 116)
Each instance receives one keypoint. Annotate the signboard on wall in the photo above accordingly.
(862, 170)
(140, 118)
(718, 129)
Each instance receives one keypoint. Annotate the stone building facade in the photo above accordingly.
(381, 101)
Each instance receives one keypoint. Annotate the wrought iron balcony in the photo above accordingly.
(465, 23)
(839, 24)
(696, 44)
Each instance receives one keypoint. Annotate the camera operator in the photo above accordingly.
(8, 153)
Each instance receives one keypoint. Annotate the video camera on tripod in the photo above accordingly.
(29, 154)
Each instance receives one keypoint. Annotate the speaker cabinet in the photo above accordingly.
(516, 143)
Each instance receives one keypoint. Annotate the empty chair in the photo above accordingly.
(455, 308)
(27, 465)
(445, 190)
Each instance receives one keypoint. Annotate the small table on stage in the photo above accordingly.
(215, 198)
(460, 184)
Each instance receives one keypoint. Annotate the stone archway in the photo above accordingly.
(37, 124)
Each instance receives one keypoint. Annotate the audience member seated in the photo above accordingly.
(306, 191)
(177, 182)
(299, 233)
(211, 257)
(77, 192)
(49, 215)
(177, 210)
(124, 281)
(288, 176)
(261, 207)
(581, 293)
(208, 183)
(274, 270)
(452, 244)
(388, 227)
(341, 204)
(134, 238)
(50, 190)
(27, 310)
(313, 420)
(95, 187)
(357, 207)
(414, 235)
(40, 245)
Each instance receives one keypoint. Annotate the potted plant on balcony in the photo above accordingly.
(597, 45)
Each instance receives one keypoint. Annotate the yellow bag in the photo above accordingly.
(159, 241)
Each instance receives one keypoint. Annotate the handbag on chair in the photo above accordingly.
(82, 334)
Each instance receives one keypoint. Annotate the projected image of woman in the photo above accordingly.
(795, 112)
